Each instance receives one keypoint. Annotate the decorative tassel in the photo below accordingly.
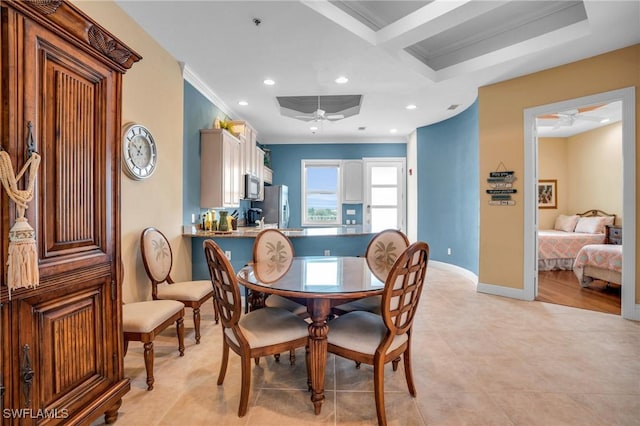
(22, 261)
(23, 257)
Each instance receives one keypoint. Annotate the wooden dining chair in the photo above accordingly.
(157, 258)
(382, 252)
(274, 247)
(374, 339)
(266, 331)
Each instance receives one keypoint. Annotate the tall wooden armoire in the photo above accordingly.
(61, 343)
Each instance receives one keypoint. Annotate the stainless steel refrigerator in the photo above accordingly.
(275, 207)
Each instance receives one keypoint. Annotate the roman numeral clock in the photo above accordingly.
(139, 153)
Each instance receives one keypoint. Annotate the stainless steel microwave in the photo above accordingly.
(251, 187)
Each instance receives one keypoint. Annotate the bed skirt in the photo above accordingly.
(555, 264)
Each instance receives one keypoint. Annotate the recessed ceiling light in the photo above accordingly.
(605, 120)
(411, 106)
(341, 80)
(243, 103)
(453, 106)
(269, 82)
(313, 128)
(394, 130)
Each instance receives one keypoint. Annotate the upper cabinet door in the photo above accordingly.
(352, 174)
(69, 97)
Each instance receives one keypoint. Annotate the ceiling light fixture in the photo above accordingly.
(605, 120)
(243, 103)
(411, 106)
(313, 128)
(341, 80)
(394, 130)
(269, 82)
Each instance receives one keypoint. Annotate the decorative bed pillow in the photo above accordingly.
(591, 225)
(566, 223)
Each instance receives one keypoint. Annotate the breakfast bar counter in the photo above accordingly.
(335, 241)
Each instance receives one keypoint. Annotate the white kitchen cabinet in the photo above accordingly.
(221, 180)
(352, 178)
(268, 175)
(258, 168)
(250, 136)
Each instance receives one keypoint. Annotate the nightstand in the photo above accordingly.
(614, 235)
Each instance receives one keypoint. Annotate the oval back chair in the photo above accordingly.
(157, 258)
(382, 252)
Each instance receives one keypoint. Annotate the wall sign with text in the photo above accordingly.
(501, 184)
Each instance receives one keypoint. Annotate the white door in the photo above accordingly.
(384, 203)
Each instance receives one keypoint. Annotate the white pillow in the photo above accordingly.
(566, 223)
(591, 225)
(608, 220)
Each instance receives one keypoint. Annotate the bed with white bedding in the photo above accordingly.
(558, 247)
(599, 262)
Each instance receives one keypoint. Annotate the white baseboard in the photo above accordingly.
(498, 290)
(633, 315)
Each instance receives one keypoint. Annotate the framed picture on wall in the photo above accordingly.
(547, 193)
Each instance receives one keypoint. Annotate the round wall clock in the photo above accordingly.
(139, 154)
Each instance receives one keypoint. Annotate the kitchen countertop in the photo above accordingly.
(251, 232)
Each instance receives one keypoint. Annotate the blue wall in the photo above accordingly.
(286, 164)
(199, 113)
(448, 189)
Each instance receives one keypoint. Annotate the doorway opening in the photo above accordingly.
(534, 220)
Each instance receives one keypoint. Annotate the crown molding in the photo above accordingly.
(193, 79)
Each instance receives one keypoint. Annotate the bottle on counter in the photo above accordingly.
(207, 221)
(223, 223)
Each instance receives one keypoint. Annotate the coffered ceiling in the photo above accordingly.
(432, 55)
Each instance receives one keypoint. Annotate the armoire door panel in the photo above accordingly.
(71, 92)
(69, 335)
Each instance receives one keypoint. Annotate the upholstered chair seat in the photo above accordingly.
(378, 339)
(275, 301)
(187, 290)
(262, 332)
(157, 258)
(143, 321)
(269, 326)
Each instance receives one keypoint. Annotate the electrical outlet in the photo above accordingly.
(449, 251)
(228, 254)
(327, 252)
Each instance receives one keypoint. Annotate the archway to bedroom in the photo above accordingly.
(532, 188)
(580, 202)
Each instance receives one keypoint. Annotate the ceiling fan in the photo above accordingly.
(320, 115)
(569, 117)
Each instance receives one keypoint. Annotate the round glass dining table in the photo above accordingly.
(320, 282)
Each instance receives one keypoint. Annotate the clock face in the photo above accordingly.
(139, 153)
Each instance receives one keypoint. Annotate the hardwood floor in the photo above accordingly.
(562, 288)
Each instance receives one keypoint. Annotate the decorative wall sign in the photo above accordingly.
(501, 183)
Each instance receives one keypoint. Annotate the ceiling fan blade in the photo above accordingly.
(590, 118)
(334, 116)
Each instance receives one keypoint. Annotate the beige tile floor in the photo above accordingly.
(478, 360)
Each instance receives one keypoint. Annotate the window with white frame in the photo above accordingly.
(321, 192)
